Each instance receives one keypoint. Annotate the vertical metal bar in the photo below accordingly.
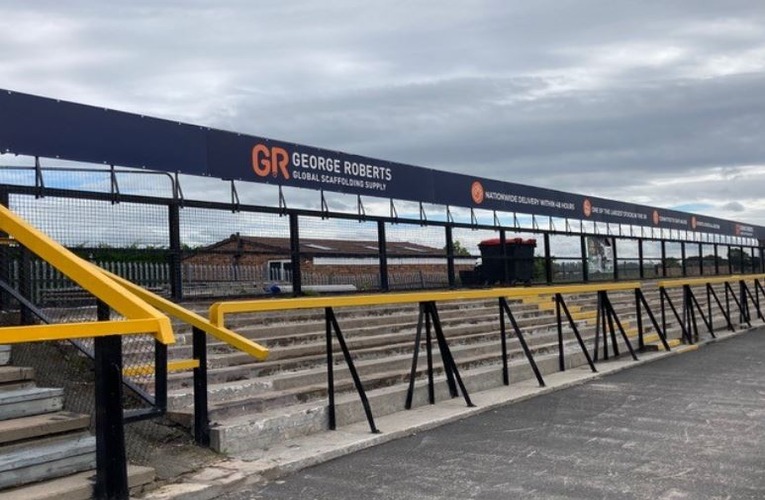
(615, 256)
(701, 259)
(682, 259)
(548, 260)
(201, 409)
(725, 313)
(330, 368)
(429, 356)
(599, 322)
(717, 261)
(450, 256)
(639, 315)
(297, 280)
(354, 373)
(558, 320)
(503, 342)
(503, 255)
(662, 297)
(111, 459)
(663, 258)
(641, 263)
(383, 251)
(413, 372)
(175, 251)
(583, 251)
(160, 376)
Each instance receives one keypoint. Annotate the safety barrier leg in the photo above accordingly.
(560, 304)
(201, 415)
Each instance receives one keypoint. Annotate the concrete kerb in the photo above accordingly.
(266, 465)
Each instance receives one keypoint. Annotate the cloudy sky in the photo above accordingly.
(654, 102)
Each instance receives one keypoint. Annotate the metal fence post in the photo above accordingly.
(174, 258)
(684, 267)
(201, 415)
(383, 251)
(548, 260)
(663, 258)
(505, 263)
(297, 281)
(583, 250)
(450, 256)
(641, 264)
(616, 258)
(111, 460)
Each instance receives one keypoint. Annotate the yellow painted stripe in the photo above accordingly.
(172, 366)
(219, 332)
(65, 331)
(220, 309)
(83, 274)
(687, 348)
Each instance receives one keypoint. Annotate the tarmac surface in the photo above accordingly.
(689, 426)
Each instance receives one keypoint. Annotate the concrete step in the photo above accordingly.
(25, 428)
(30, 401)
(5, 354)
(261, 431)
(12, 377)
(34, 463)
(76, 486)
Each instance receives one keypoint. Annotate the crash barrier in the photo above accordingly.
(691, 309)
(141, 312)
(429, 323)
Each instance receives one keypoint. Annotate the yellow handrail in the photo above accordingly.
(223, 334)
(676, 283)
(141, 317)
(220, 309)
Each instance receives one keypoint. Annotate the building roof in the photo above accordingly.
(323, 247)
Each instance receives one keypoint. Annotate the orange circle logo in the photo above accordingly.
(476, 192)
(693, 222)
(587, 207)
(656, 217)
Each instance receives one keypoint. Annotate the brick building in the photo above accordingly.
(322, 259)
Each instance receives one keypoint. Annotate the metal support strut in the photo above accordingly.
(429, 314)
(560, 305)
(332, 326)
(504, 309)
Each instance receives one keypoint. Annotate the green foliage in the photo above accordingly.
(132, 253)
(459, 249)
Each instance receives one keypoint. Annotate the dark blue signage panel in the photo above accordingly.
(37, 126)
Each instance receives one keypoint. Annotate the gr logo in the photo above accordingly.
(270, 161)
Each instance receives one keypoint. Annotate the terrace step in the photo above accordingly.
(30, 401)
(77, 486)
(12, 376)
(35, 462)
(26, 428)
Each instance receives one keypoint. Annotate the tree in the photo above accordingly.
(459, 249)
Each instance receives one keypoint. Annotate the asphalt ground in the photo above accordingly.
(689, 426)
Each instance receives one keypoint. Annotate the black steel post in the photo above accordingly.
(111, 459)
(160, 376)
(730, 261)
(297, 281)
(558, 319)
(503, 343)
(330, 368)
(641, 264)
(429, 357)
(175, 252)
(450, 256)
(701, 259)
(639, 317)
(663, 258)
(201, 411)
(383, 251)
(548, 260)
(616, 258)
(5, 265)
(717, 262)
(583, 250)
(505, 263)
(683, 264)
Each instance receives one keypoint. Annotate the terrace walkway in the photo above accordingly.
(686, 426)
